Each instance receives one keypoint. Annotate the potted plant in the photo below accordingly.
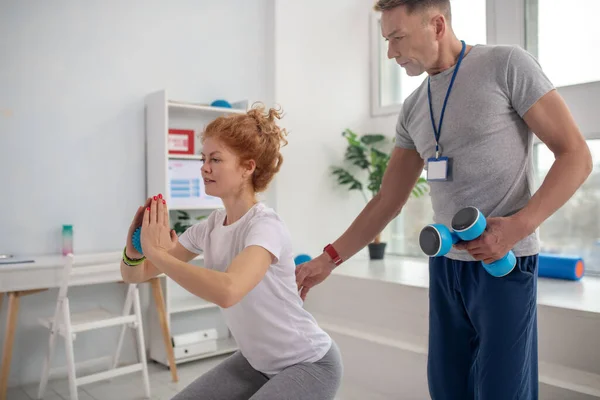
(184, 221)
(370, 153)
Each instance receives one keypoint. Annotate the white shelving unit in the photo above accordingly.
(163, 114)
(186, 313)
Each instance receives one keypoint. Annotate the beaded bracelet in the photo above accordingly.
(131, 262)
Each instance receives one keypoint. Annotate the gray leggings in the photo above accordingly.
(235, 379)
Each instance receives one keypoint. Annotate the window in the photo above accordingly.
(565, 54)
(403, 232)
(390, 84)
(575, 228)
(562, 34)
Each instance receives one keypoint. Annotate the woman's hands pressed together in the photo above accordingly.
(136, 223)
(157, 235)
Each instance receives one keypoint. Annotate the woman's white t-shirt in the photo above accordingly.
(270, 326)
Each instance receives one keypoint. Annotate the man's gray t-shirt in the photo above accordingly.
(483, 133)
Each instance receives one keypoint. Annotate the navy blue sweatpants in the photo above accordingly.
(482, 331)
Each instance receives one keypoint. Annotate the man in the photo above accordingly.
(482, 329)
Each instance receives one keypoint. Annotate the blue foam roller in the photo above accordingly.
(137, 240)
(561, 266)
(302, 258)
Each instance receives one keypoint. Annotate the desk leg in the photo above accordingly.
(9, 337)
(162, 318)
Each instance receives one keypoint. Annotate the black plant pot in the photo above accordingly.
(376, 251)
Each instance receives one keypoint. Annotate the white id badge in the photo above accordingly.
(438, 169)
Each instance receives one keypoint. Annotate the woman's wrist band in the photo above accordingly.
(130, 261)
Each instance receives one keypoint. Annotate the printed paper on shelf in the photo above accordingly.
(178, 142)
(186, 186)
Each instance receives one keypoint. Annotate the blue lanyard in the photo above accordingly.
(436, 131)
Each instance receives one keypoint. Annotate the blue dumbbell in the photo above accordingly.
(468, 224)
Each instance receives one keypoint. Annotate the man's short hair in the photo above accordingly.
(415, 5)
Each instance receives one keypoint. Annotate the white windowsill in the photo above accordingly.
(583, 295)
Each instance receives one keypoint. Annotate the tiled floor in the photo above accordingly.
(127, 387)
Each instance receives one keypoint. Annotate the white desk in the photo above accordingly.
(45, 272)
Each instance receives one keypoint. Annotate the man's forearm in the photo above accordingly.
(399, 179)
(370, 222)
(566, 175)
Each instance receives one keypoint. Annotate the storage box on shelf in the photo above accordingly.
(197, 327)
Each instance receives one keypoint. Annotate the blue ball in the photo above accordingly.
(302, 258)
(137, 240)
(221, 103)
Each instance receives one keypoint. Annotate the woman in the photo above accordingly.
(249, 270)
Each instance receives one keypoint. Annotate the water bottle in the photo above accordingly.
(67, 239)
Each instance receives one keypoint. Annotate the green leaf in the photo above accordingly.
(357, 156)
(356, 152)
(346, 178)
(179, 228)
(351, 137)
(379, 163)
(372, 138)
(421, 187)
(183, 215)
(361, 152)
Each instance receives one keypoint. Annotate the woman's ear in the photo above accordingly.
(249, 167)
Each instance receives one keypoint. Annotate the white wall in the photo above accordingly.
(322, 82)
(72, 82)
(73, 76)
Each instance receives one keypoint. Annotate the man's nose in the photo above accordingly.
(392, 53)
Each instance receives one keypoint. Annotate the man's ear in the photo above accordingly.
(439, 24)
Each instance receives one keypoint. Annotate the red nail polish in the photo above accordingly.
(154, 197)
(164, 202)
(160, 196)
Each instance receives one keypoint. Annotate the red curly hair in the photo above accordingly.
(252, 136)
